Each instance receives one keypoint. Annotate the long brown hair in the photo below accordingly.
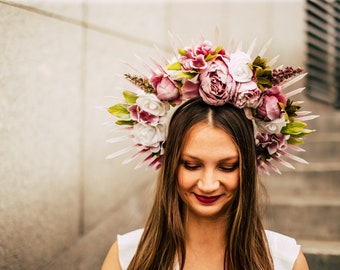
(163, 236)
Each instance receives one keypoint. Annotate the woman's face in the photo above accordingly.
(208, 174)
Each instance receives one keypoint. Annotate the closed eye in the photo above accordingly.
(190, 165)
(228, 168)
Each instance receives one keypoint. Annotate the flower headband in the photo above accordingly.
(218, 76)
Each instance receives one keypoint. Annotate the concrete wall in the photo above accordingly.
(61, 202)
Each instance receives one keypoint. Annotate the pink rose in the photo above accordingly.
(217, 86)
(247, 94)
(166, 89)
(270, 109)
(239, 67)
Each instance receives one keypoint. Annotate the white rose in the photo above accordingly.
(149, 136)
(238, 67)
(151, 104)
(271, 127)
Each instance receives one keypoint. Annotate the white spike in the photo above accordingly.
(265, 47)
(306, 118)
(295, 92)
(296, 148)
(273, 61)
(239, 46)
(120, 152)
(293, 80)
(118, 139)
(251, 47)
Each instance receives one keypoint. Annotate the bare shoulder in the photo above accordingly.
(111, 261)
(301, 263)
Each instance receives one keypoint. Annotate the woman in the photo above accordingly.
(206, 211)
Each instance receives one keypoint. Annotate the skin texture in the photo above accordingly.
(208, 168)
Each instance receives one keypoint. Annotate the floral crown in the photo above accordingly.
(219, 77)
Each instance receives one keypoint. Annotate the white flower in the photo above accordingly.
(151, 104)
(239, 68)
(149, 136)
(271, 127)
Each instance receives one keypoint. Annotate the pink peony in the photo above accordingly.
(270, 109)
(217, 86)
(273, 143)
(247, 94)
(194, 58)
(166, 89)
(189, 89)
(142, 116)
(205, 48)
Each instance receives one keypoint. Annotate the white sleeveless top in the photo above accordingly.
(284, 250)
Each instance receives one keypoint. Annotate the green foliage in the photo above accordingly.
(130, 97)
(174, 66)
(262, 72)
(125, 122)
(120, 111)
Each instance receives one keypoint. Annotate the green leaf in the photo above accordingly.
(218, 49)
(187, 75)
(294, 128)
(295, 141)
(174, 66)
(304, 132)
(209, 57)
(125, 122)
(260, 62)
(182, 52)
(130, 97)
(120, 111)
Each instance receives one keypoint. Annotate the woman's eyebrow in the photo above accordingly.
(231, 158)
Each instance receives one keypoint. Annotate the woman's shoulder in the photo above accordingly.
(284, 250)
(127, 246)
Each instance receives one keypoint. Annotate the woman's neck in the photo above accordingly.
(205, 243)
(205, 232)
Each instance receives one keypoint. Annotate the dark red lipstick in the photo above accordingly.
(207, 199)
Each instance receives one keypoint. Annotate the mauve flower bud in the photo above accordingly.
(166, 89)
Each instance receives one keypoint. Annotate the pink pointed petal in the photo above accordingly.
(217, 36)
(283, 162)
(293, 157)
(120, 152)
(119, 139)
(272, 166)
(263, 169)
(134, 156)
(134, 69)
(161, 56)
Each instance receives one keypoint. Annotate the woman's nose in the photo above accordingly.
(208, 182)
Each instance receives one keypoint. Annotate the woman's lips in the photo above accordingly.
(207, 199)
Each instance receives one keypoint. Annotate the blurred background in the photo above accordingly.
(61, 202)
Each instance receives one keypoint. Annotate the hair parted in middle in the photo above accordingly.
(163, 239)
